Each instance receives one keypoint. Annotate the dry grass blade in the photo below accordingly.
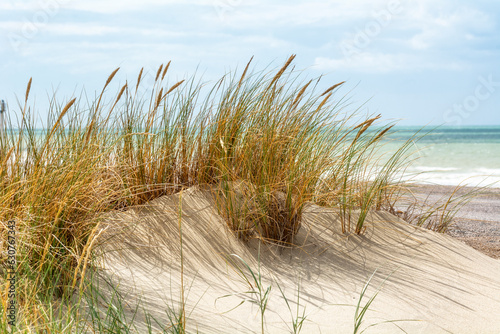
(165, 70)
(61, 115)
(332, 88)
(324, 101)
(368, 122)
(96, 109)
(111, 76)
(159, 98)
(281, 71)
(174, 87)
(139, 79)
(382, 133)
(121, 93)
(301, 92)
(28, 89)
(158, 72)
(244, 72)
(122, 90)
(364, 126)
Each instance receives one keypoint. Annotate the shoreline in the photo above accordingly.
(477, 223)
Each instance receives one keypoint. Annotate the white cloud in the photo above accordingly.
(84, 29)
(420, 35)
(18, 5)
(251, 14)
(114, 6)
(381, 63)
(97, 6)
(446, 27)
(95, 29)
(363, 62)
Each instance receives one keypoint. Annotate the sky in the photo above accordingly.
(420, 62)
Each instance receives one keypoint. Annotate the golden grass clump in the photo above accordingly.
(266, 143)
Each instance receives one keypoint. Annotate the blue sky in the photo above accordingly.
(424, 62)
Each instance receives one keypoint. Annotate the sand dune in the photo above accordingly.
(429, 283)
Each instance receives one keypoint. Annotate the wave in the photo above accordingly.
(432, 169)
(473, 179)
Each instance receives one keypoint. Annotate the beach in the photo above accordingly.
(251, 217)
(477, 223)
(465, 157)
(420, 281)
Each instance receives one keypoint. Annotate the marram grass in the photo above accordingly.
(266, 143)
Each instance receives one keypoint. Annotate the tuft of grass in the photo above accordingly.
(258, 293)
(268, 142)
(437, 216)
(298, 318)
(361, 311)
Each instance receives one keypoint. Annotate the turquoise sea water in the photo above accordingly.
(454, 155)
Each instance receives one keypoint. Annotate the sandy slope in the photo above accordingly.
(444, 284)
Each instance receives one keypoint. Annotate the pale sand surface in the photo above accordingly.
(439, 283)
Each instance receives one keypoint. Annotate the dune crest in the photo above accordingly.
(431, 282)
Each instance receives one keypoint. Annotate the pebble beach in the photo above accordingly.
(477, 223)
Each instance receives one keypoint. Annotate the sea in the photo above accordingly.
(452, 155)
